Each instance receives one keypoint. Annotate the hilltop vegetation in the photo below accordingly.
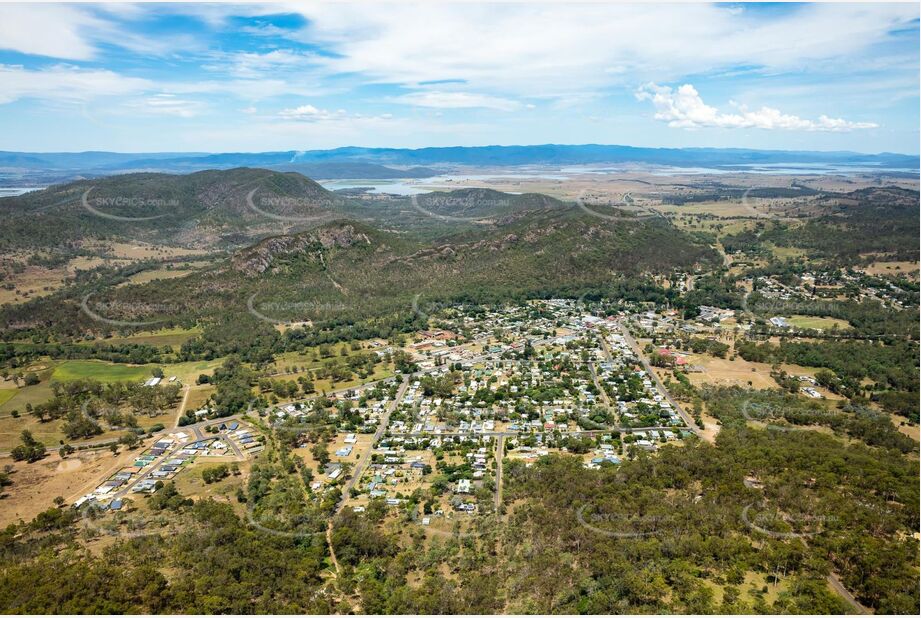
(345, 272)
(204, 209)
(842, 228)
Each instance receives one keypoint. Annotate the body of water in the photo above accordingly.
(13, 191)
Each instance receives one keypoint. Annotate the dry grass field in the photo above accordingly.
(740, 372)
(36, 485)
(909, 269)
(143, 251)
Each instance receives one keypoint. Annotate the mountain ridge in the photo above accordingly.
(547, 154)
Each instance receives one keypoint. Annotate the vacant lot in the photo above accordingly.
(143, 251)
(36, 485)
(893, 268)
(6, 394)
(740, 372)
(189, 482)
(33, 282)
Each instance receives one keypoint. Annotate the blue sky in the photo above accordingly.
(260, 77)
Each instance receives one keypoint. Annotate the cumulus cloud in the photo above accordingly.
(309, 113)
(684, 108)
(312, 114)
(458, 100)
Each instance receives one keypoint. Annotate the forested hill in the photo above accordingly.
(347, 271)
(842, 228)
(205, 209)
(228, 209)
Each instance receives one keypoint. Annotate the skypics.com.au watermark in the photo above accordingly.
(97, 205)
(767, 305)
(426, 310)
(622, 215)
(424, 204)
(785, 525)
(309, 209)
(101, 311)
(624, 525)
(766, 413)
(306, 310)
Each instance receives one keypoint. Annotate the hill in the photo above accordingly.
(203, 210)
(842, 228)
(346, 272)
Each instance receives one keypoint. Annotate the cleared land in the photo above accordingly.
(36, 485)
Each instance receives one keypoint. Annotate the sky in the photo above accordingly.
(186, 77)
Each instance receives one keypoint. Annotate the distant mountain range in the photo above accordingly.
(380, 163)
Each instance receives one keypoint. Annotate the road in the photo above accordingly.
(513, 434)
(185, 401)
(601, 391)
(662, 390)
(107, 441)
(196, 428)
(381, 428)
(500, 453)
(838, 587)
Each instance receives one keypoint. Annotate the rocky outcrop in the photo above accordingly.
(259, 258)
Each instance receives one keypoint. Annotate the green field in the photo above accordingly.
(173, 337)
(6, 394)
(37, 393)
(101, 371)
(817, 323)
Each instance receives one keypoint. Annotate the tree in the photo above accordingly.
(30, 450)
(320, 453)
(130, 439)
(214, 474)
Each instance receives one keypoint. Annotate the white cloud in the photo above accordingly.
(250, 65)
(685, 109)
(47, 30)
(170, 105)
(65, 82)
(311, 114)
(458, 100)
(521, 49)
(75, 32)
